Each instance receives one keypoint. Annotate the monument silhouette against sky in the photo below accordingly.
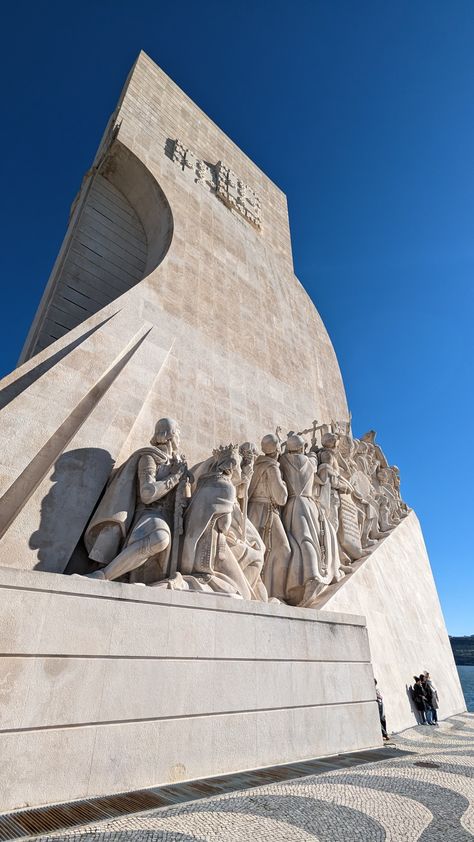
(174, 296)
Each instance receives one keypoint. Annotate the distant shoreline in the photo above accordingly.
(463, 650)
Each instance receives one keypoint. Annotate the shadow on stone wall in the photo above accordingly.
(413, 707)
(79, 478)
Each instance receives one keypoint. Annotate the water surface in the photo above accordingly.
(466, 674)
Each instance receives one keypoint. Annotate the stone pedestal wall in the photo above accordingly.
(394, 589)
(110, 687)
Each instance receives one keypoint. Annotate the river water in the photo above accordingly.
(466, 674)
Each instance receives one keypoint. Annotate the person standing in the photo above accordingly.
(383, 721)
(419, 699)
(429, 698)
(434, 700)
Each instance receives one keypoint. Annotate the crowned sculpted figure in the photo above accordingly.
(314, 561)
(218, 553)
(133, 522)
(267, 494)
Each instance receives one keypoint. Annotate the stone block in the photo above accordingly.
(108, 687)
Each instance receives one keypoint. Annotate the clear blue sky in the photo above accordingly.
(363, 113)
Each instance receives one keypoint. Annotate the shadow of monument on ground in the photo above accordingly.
(79, 478)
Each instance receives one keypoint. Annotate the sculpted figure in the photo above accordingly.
(403, 509)
(267, 494)
(216, 554)
(385, 521)
(388, 488)
(378, 455)
(345, 455)
(248, 453)
(133, 522)
(369, 509)
(358, 461)
(314, 561)
(339, 498)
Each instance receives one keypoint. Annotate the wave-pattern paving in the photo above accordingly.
(426, 795)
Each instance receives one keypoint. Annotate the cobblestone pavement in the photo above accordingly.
(426, 796)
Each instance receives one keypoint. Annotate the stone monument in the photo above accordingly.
(176, 601)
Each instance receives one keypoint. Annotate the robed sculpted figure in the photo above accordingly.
(133, 522)
(314, 562)
(218, 553)
(267, 494)
(342, 502)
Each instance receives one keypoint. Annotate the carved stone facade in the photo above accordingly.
(281, 526)
(222, 181)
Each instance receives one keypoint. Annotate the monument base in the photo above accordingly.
(395, 591)
(112, 687)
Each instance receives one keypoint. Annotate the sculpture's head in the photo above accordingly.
(383, 475)
(166, 435)
(227, 461)
(329, 440)
(270, 445)
(295, 444)
(346, 446)
(248, 451)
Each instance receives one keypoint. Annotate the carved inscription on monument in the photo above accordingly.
(222, 181)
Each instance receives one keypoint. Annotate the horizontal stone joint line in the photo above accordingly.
(217, 658)
(206, 715)
(162, 605)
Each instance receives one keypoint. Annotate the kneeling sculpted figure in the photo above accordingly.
(134, 519)
(217, 554)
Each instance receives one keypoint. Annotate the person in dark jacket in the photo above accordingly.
(429, 699)
(383, 721)
(419, 699)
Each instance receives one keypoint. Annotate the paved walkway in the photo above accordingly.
(427, 795)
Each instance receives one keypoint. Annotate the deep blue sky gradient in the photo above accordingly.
(363, 113)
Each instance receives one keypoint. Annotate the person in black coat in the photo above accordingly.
(383, 721)
(429, 699)
(420, 699)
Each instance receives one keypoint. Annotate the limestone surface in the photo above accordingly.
(207, 324)
(109, 686)
(426, 795)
